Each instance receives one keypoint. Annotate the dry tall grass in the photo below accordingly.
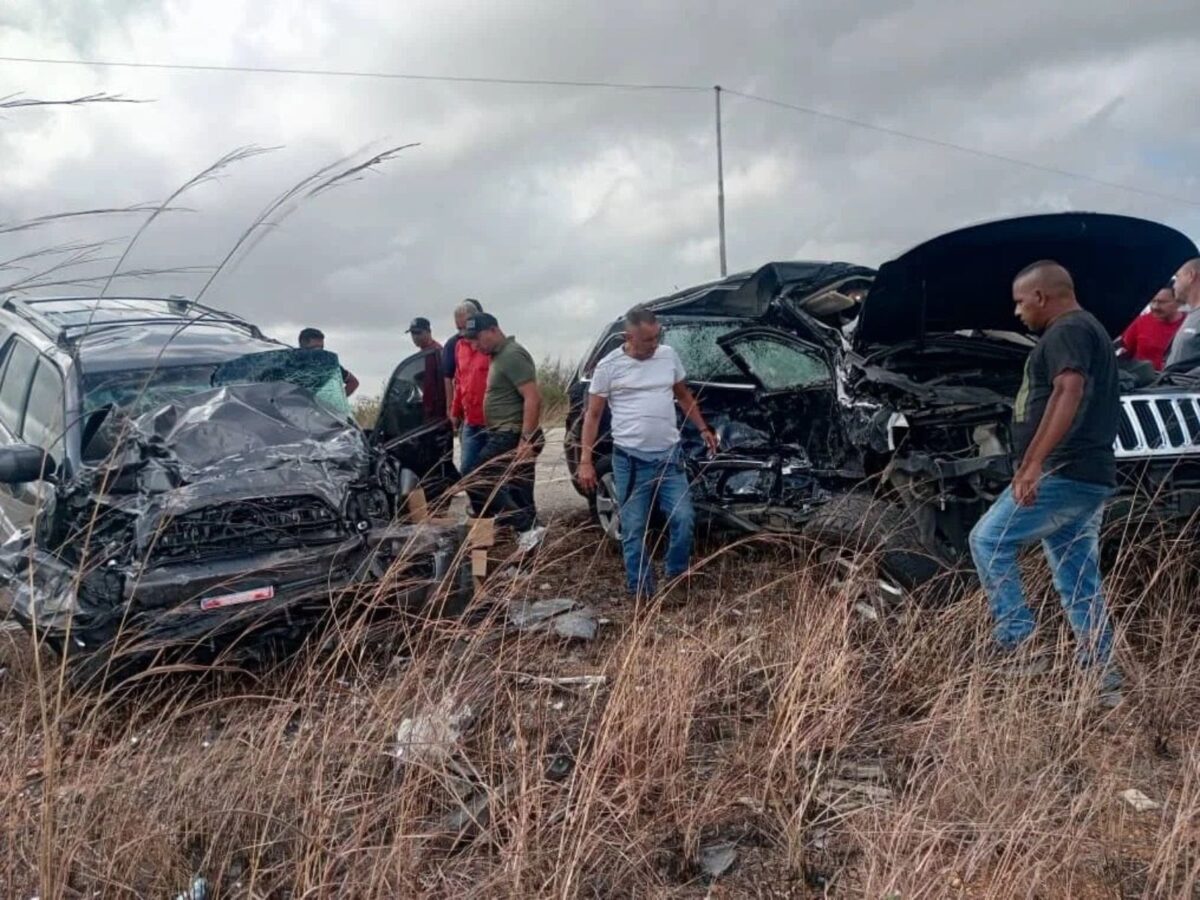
(840, 756)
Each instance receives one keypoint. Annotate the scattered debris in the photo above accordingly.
(867, 611)
(197, 891)
(431, 736)
(864, 772)
(858, 785)
(843, 793)
(566, 680)
(472, 814)
(1140, 801)
(752, 804)
(717, 859)
(526, 615)
(564, 616)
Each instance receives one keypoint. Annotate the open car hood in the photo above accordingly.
(963, 280)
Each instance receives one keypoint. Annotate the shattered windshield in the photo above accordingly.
(317, 371)
(136, 391)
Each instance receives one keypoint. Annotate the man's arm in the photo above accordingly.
(1128, 339)
(586, 473)
(691, 410)
(1060, 413)
(350, 382)
(531, 419)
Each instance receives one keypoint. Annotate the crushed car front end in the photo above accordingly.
(221, 521)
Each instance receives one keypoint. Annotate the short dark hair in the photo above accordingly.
(308, 335)
(1057, 269)
(641, 315)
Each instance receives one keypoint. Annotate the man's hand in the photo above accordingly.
(711, 441)
(1025, 483)
(586, 476)
(525, 450)
(455, 423)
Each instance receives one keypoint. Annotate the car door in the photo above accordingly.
(21, 367)
(414, 425)
(778, 362)
(794, 379)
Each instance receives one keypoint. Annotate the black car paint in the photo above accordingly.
(208, 466)
(917, 413)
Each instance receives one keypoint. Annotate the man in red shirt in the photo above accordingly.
(471, 367)
(1149, 336)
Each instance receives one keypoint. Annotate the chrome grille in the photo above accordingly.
(1158, 425)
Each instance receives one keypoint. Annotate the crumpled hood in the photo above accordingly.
(963, 280)
(241, 441)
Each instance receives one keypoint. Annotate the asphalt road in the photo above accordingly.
(554, 494)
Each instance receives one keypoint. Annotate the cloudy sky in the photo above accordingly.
(560, 206)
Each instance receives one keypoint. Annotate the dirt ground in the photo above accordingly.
(747, 734)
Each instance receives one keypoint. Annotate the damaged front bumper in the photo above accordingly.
(227, 602)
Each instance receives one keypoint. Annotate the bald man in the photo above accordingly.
(1064, 424)
(1185, 348)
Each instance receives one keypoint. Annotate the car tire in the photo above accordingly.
(858, 527)
(603, 502)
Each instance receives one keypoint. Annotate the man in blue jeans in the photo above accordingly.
(641, 382)
(1065, 419)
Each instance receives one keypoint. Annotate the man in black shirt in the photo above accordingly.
(1064, 424)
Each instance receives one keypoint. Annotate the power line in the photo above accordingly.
(351, 73)
(615, 85)
(961, 148)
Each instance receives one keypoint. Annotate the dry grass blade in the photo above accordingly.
(750, 710)
(18, 101)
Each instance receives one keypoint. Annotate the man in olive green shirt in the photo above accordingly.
(512, 410)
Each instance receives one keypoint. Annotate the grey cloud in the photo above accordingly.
(559, 207)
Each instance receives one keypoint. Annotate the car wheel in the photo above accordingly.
(605, 505)
(875, 545)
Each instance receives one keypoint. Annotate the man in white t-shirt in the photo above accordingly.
(641, 383)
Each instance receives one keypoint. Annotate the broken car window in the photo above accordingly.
(136, 391)
(781, 366)
(317, 371)
(696, 344)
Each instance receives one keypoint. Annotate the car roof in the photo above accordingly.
(116, 333)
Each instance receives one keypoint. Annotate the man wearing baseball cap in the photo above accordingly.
(433, 385)
(512, 410)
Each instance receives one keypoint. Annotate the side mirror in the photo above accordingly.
(23, 463)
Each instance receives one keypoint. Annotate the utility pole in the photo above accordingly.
(720, 183)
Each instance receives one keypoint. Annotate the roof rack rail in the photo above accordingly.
(178, 308)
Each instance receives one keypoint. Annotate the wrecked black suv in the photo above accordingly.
(855, 403)
(170, 478)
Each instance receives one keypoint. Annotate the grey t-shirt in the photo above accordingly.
(1184, 354)
(1075, 342)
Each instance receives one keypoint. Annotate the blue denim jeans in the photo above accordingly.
(472, 438)
(641, 487)
(1066, 519)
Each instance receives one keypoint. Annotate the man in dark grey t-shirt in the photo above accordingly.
(1064, 425)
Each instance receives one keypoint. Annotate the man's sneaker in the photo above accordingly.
(531, 539)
